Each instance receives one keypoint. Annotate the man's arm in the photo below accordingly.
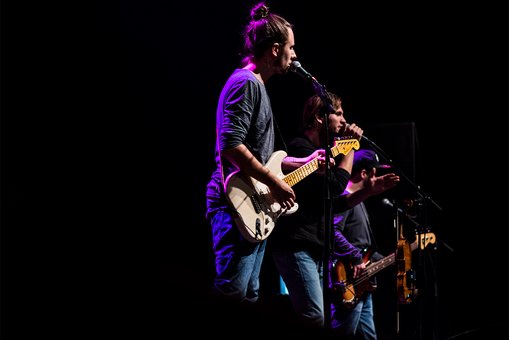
(244, 160)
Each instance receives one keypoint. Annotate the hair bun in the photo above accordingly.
(260, 11)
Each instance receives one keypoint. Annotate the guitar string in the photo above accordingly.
(368, 273)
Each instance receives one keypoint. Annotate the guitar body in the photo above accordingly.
(348, 288)
(256, 210)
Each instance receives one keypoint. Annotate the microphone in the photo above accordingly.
(365, 138)
(388, 203)
(297, 68)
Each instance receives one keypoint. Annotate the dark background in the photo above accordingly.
(108, 115)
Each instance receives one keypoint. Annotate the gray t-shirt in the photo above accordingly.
(243, 116)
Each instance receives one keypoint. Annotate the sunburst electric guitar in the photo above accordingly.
(350, 290)
(256, 210)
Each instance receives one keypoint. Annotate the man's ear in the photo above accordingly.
(276, 48)
(319, 118)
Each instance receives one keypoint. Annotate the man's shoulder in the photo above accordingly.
(300, 141)
(241, 75)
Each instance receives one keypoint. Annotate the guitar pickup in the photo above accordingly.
(256, 203)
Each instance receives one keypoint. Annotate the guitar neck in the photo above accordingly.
(341, 147)
(299, 174)
(374, 267)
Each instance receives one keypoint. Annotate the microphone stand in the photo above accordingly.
(328, 229)
(423, 198)
(414, 186)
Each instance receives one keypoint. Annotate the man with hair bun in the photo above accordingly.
(245, 142)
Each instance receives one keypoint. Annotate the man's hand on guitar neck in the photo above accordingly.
(291, 163)
(357, 269)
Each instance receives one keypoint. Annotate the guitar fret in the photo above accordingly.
(297, 175)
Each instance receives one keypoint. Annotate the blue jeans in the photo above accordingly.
(238, 261)
(357, 322)
(303, 277)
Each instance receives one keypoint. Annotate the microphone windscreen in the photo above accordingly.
(294, 66)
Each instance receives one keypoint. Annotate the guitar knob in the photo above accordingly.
(257, 226)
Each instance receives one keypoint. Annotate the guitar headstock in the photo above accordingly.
(425, 239)
(344, 146)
